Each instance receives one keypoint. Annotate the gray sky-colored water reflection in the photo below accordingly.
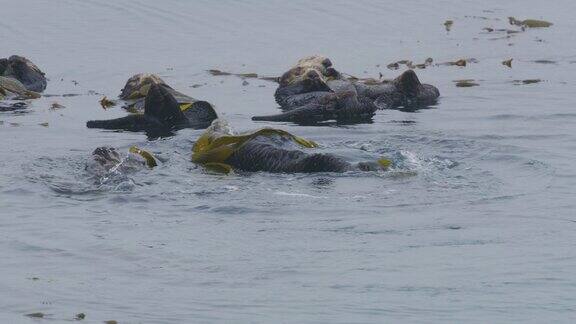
(474, 225)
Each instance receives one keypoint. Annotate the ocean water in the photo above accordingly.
(475, 222)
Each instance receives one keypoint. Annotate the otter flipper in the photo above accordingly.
(408, 83)
(160, 104)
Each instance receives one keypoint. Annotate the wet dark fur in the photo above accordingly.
(405, 91)
(261, 155)
(311, 99)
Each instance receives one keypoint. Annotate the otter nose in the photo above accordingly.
(327, 63)
(312, 75)
(331, 72)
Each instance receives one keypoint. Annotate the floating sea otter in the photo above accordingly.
(314, 91)
(267, 149)
(107, 159)
(20, 79)
(157, 106)
(21, 69)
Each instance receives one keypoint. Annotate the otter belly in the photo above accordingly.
(275, 155)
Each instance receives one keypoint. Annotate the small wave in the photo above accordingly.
(302, 195)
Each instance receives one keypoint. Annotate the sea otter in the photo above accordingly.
(20, 79)
(313, 91)
(157, 107)
(269, 150)
(21, 69)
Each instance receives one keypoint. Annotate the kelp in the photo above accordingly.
(36, 315)
(527, 81)
(384, 163)
(466, 83)
(218, 167)
(530, 23)
(271, 79)
(148, 157)
(410, 64)
(508, 63)
(480, 17)
(460, 62)
(213, 148)
(448, 25)
(215, 72)
(55, 106)
(544, 62)
(106, 103)
(247, 75)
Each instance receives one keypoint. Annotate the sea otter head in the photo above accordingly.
(23, 70)
(312, 72)
(106, 156)
(138, 85)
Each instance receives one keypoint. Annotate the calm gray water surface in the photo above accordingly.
(475, 223)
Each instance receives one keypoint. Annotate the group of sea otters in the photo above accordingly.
(310, 92)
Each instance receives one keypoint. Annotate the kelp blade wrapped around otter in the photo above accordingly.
(216, 147)
(268, 150)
